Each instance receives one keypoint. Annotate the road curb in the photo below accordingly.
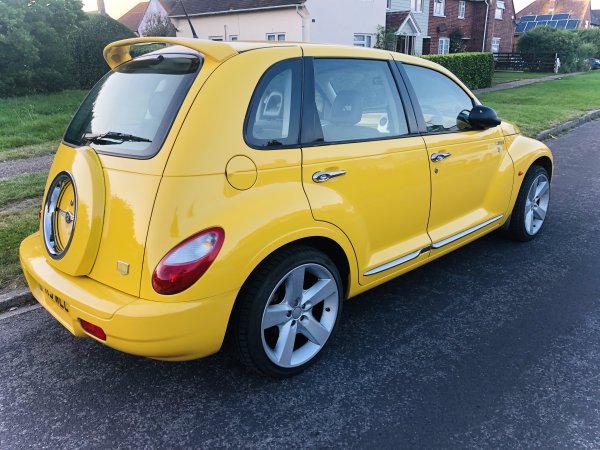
(550, 133)
(16, 299)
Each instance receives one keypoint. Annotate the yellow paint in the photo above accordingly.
(391, 203)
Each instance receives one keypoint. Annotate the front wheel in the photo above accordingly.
(288, 311)
(531, 207)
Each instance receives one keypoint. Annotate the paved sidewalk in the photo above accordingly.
(514, 84)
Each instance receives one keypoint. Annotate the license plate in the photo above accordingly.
(55, 299)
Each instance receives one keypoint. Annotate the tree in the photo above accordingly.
(159, 25)
(456, 41)
(385, 39)
(95, 34)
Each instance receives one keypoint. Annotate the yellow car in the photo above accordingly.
(250, 188)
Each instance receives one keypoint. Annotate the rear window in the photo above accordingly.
(130, 111)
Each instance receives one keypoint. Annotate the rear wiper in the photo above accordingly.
(112, 138)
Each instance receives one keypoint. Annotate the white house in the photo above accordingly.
(349, 22)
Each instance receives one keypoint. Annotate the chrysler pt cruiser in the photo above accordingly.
(248, 189)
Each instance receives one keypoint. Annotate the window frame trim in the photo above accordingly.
(462, 3)
(255, 97)
(423, 131)
(308, 98)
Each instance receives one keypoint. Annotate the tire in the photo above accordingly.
(531, 207)
(287, 312)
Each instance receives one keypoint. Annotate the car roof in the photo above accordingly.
(118, 52)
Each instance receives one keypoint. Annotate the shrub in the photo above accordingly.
(159, 25)
(565, 43)
(473, 69)
(95, 34)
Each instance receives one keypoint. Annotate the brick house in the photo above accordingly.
(461, 25)
(580, 10)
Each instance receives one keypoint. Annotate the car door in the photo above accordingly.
(471, 171)
(363, 169)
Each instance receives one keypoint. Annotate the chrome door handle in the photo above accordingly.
(437, 157)
(321, 177)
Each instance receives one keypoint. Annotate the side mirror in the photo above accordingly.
(483, 117)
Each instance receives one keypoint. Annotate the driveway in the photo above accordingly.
(496, 345)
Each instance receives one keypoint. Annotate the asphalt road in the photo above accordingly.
(496, 346)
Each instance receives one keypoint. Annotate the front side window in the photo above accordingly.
(499, 10)
(462, 6)
(442, 101)
(357, 100)
(416, 6)
(444, 46)
(439, 7)
(274, 116)
(130, 111)
(363, 40)
(495, 45)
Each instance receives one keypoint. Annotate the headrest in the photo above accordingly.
(347, 108)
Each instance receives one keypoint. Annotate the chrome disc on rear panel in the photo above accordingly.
(300, 315)
(59, 215)
(536, 204)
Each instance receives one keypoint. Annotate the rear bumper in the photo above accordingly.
(160, 330)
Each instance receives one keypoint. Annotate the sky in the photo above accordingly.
(116, 8)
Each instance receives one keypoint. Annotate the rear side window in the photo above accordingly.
(273, 119)
(130, 111)
(357, 100)
(441, 100)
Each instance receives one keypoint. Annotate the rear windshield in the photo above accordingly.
(130, 111)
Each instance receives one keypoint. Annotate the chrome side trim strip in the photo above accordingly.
(462, 234)
(396, 262)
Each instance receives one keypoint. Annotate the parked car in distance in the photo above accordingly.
(595, 63)
(209, 187)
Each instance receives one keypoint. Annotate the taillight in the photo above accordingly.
(187, 262)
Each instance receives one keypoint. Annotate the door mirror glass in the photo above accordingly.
(483, 117)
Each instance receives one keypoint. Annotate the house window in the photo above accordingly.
(444, 46)
(416, 5)
(462, 6)
(389, 4)
(275, 36)
(363, 40)
(495, 45)
(438, 7)
(499, 9)
(215, 38)
(233, 38)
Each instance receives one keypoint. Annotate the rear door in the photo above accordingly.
(363, 168)
(471, 171)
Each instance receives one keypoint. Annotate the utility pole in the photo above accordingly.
(101, 7)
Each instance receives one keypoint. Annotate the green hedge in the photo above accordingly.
(473, 69)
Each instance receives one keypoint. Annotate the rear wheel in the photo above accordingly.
(531, 207)
(288, 311)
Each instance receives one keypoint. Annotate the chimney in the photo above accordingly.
(101, 7)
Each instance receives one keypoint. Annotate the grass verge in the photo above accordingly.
(29, 151)
(36, 119)
(14, 227)
(537, 107)
(505, 77)
(21, 187)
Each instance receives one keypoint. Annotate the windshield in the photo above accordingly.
(130, 111)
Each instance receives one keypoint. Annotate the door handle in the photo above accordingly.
(437, 157)
(321, 177)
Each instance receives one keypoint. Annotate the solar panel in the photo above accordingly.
(572, 24)
(530, 26)
(521, 27)
(529, 19)
(552, 23)
(543, 17)
(562, 24)
(541, 23)
(560, 16)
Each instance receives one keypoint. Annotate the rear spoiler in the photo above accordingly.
(117, 53)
